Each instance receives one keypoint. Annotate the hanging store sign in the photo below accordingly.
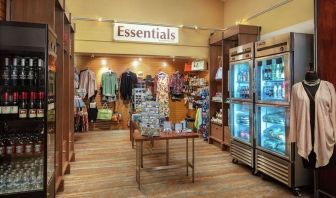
(145, 33)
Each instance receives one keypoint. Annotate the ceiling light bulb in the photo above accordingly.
(103, 62)
(100, 19)
(135, 63)
(181, 26)
(140, 59)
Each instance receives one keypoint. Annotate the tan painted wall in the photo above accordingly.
(96, 37)
(290, 14)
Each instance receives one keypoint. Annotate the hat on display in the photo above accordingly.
(149, 78)
(140, 74)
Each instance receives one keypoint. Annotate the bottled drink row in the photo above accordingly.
(18, 144)
(21, 175)
(22, 71)
(274, 71)
(274, 90)
(244, 91)
(22, 104)
(243, 75)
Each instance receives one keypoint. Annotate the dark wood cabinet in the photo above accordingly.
(220, 44)
(52, 12)
(326, 49)
(2, 10)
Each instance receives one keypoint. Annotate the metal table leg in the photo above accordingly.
(141, 153)
(187, 157)
(193, 159)
(167, 152)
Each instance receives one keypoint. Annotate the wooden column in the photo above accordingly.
(326, 50)
(2, 10)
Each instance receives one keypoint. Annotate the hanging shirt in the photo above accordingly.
(325, 122)
(109, 84)
(176, 83)
(88, 82)
(127, 83)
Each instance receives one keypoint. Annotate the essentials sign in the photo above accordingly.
(145, 33)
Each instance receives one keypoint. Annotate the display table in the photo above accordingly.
(139, 140)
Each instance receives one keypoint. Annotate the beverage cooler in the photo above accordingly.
(241, 104)
(280, 62)
(27, 110)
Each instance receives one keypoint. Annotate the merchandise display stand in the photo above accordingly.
(220, 44)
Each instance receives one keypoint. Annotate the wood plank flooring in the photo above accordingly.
(105, 167)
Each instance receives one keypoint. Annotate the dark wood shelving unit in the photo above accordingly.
(53, 13)
(220, 43)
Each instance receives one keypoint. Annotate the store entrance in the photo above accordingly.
(123, 102)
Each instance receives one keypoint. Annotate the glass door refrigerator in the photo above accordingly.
(27, 110)
(280, 62)
(241, 104)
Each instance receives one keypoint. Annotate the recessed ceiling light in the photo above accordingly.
(100, 19)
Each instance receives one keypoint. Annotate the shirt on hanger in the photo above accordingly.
(325, 122)
(127, 83)
(176, 83)
(88, 82)
(109, 84)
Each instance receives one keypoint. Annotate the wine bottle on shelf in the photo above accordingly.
(23, 105)
(39, 73)
(14, 72)
(21, 72)
(40, 105)
(5, 72)
(30, 75)
(5, 107)
(31, 105)
(14, 102)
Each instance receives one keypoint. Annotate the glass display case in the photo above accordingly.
(240, 80)
(272, 129)
(241, 121)
(27, 142)
(272, 79)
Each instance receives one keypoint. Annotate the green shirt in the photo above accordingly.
(109, 84)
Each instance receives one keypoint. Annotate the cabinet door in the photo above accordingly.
(241, 122)
(272, 129)
(272, 79)
(241, 80)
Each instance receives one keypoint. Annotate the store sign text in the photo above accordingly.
(145, 33)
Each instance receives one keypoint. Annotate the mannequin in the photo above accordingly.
(311, 84)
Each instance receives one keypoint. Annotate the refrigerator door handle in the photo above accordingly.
(228, 82)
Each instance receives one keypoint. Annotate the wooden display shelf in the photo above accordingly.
(220, 44)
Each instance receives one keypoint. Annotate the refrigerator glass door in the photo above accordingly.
(272, 129)
(272, 79)
(241, 122)
(51, 119)
(240, 80)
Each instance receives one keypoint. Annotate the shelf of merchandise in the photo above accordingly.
(220, 43)
(53, 13)
(40, 131)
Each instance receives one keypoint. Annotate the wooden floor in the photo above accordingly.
(105, 167)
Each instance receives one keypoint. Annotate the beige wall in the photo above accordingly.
(96, 37)
(295, 12)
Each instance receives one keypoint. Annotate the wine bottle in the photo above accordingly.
(23, 105)
(5, 108)
(21, 72)
(5, 73)
(31, 105)
(40, 105)
(30, 73)
(14, 72)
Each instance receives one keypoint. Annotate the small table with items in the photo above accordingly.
(139, 139)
